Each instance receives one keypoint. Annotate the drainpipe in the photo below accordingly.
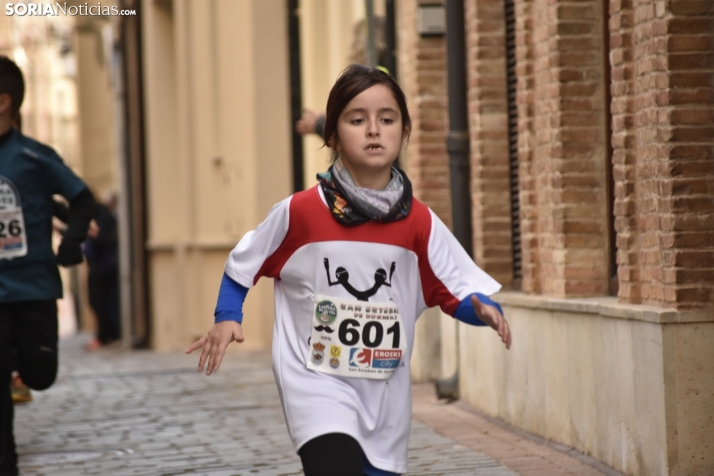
(295, 93)
(116, 63)
(371, 48)
(457, 144)
(390, 38)
(135, 188)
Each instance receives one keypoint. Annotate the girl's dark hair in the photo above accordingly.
(353, 81)
(12, 82)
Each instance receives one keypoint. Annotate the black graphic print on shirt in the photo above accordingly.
(343, 278)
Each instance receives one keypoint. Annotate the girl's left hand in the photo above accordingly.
(491, 317)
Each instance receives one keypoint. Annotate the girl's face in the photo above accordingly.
(370, 136)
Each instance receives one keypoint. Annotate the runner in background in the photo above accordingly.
(30, 174)
(355, 260)
(311, 122)
(102, 252)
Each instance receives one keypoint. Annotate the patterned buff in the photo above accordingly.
(349, 208)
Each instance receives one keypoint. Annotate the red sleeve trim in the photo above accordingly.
(435, 292)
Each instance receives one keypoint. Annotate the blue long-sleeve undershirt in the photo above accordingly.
(465, 310)
(232, 295)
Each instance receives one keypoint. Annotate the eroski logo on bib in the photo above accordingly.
(386, 359)
(360, 358)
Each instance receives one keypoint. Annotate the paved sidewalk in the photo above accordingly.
(143, 413)
(525, 454)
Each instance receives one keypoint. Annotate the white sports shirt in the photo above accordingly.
(302, 246)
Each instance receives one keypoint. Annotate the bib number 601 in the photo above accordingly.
(372, 333)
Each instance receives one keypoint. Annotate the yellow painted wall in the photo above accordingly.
(96, 102)
(218, 153)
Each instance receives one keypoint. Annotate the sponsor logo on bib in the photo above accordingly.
(386, 359)
(334, 362)
(336, 351)
(360, 358)
(326, 312)
(318, 354)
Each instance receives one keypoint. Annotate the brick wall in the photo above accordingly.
(488, 116)
(422, 74)
(624, 147)
(562, 152)
(525, 53)
(663, 139)
(662, 87)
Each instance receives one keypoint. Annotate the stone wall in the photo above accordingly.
(629, 385)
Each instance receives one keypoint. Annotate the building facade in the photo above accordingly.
(591, 135)
(592, 121)
(591, 183)
(591, 128)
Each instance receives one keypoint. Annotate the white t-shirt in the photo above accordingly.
(302, 246)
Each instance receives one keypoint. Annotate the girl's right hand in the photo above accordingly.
(215, 343)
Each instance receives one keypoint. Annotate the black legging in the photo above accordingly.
(28, 344)
(331, 455)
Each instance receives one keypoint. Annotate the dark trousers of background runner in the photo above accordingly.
(104, 299)
(28, 344)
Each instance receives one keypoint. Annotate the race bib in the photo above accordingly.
(13, 240)
(358, 339)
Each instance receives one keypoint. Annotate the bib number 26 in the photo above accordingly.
(371, 335)
(11, 228)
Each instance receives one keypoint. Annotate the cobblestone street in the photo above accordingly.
(144, 413)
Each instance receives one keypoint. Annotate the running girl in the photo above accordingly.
(356, 259)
